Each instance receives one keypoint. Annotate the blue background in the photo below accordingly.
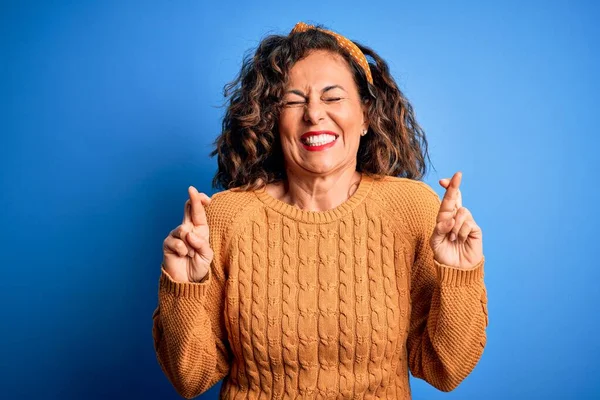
(108, 112)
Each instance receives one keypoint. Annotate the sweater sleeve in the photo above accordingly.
(190, 337)
(189, 334)
(449, 311)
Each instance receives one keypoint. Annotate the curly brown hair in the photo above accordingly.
(248, 150)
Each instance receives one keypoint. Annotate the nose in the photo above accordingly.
(313, 112)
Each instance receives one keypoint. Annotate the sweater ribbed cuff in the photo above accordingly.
(455, 277)
(195, 290)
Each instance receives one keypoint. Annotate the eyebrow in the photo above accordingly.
(325, 89)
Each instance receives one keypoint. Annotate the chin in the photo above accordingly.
(320, 169)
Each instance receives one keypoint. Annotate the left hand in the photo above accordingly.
(456, 240)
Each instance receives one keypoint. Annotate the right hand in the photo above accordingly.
(186, 251)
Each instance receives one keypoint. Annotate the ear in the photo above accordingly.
(365, 110)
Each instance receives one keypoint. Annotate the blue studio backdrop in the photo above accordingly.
(109, 109)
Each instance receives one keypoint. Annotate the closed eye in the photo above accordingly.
(292, 103)
(295, 103)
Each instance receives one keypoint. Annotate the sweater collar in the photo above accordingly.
(316, 217)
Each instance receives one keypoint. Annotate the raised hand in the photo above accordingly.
(186, 251)
(456, 240)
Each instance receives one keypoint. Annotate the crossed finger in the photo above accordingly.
(197, 214)
(463, 225)
(452, 200)
(187, 212)
(181, 233)
(445, 182)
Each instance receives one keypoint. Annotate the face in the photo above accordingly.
(322, 117)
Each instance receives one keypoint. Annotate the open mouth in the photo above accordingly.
(318, 140)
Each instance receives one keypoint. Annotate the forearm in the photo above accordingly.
(453, 338)
(184, 339)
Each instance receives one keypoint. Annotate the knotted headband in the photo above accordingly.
(347, 44)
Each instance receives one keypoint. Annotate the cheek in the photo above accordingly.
(349, 119)
(286, 144)
(289, 147)
(287, 125)
(352, 130)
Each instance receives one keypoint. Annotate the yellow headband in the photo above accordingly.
(347, 44)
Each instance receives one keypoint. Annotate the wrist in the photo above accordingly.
(175, 276)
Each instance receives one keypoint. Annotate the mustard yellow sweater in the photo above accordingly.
(334, 304)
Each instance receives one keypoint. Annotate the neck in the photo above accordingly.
(320, 193)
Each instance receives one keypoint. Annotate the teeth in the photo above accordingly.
(318, 140)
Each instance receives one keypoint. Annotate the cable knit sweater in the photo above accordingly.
(332, 304)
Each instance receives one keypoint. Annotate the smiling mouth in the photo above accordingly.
(318, 140)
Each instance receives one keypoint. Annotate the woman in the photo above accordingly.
(326, 269)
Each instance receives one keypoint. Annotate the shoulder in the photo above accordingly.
(225, 206)
(407, 186)
(228, 201)
(414, 202)
(404, 192)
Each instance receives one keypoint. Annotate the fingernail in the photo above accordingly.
(452, 237)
